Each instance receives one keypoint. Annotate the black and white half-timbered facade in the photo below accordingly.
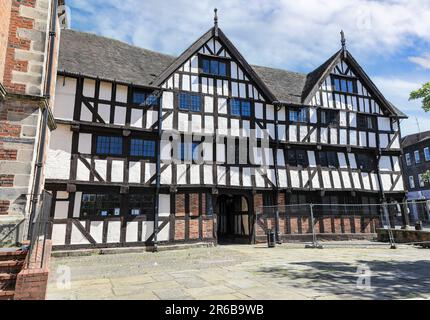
(153, 149)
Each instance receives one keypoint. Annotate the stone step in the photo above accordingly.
(7, 281)
(11, 266)
(13, 255)
(6, 295)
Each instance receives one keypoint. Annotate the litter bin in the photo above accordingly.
(419, 226)
(271, 239)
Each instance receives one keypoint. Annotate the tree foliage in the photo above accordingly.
(424, 94)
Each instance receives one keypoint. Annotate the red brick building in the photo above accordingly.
(25, 50)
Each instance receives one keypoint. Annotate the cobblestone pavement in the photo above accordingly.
(247, 272)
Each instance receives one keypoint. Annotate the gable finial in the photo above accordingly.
(216, 21)
(342, 39)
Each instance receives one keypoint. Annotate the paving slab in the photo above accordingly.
(248, 272)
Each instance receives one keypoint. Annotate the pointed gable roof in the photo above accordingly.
(195, 47)
(316, 77)
(100, 57)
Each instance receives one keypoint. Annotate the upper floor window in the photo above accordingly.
(427, 154)
(366, 162)
(366, 122)
(240, 108)
(417, 156)
(107, 145)
(192, 102)
(345, 85)
(408, 159)
(144, 98)
(329, 117)
(214, 66)
(188, 151)
(411, 182)
(328, 159)
(299, 115)
(297, 158)
(102, 205)
(142, 148)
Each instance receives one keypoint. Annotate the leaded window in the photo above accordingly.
(191, 102)
(100, 205)
(142, 148)
(108, 145)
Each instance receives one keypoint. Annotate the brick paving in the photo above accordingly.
(238, 272)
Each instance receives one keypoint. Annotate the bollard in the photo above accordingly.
(271, 238)
(419, 226)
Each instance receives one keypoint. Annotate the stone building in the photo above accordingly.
(28, 62)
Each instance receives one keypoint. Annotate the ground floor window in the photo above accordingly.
(140, 204)
(101, 205)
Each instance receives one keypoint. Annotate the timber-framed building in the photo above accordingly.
(333, 138)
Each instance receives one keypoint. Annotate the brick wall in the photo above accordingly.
(5, 6)
(19, 118)
(25, 53)
(32, 281)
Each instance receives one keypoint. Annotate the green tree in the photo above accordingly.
(424, 94)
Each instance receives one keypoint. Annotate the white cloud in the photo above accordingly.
(423, 61)
(288, 34)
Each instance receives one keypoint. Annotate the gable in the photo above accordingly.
(242, 80)
(344, 85)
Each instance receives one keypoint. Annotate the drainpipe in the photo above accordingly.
(45, 115)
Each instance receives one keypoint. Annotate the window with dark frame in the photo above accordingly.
(299, 115)
(100, 205)
(329, 117)
(140, 204)
(366, 122)
(191, 102)
(109, 145)
(213, 66)
(328, 159)
(345, 85)
(142, 148)
(366, 162)
(141, 97)
(240, 108)
(188, 151)
(297, 158)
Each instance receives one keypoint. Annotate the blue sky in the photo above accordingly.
(390, 39)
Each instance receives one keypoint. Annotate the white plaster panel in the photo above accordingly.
(150, 169)
(104, 112)
(147, 229)
(117, 174)
(336, 180)
(181, 171)
(84, 144)
(89, 88)
(77, 237)
(209, 104)
(167, 100)
(61, 209)
(121, 93)
(259, 110)
(120, 114)
(65, 98)
(86, 114)
(134, 172)
(346, 180)
(105, 91)
(246, 177)
(59, 154)
(82, 174)
(136, 118)
(208, 174)
(131, 233)
(164, 210)
(221, 175)
(295, 180)
(326, 179)
(195, 174)
(114, 232)
(163, 234)
(166, 176)
(151, 118)
(101, 167)
(59, 234)
(77, 206)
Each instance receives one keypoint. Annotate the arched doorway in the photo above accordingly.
(234, 219)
